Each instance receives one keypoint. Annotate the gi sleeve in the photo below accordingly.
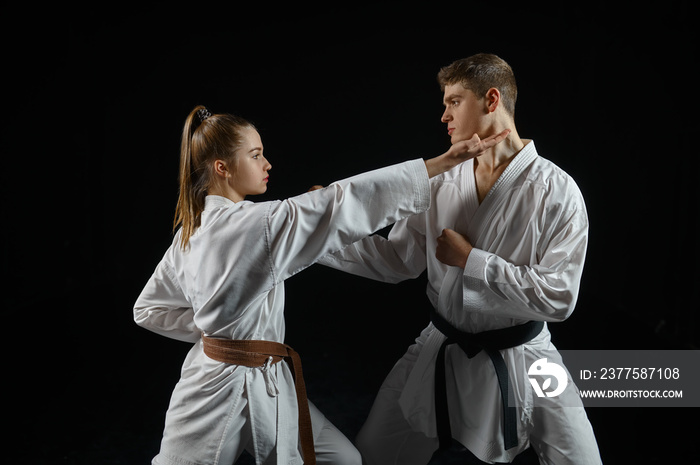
(303, 229)
(163, 308)
(547, 290)
(398, 258)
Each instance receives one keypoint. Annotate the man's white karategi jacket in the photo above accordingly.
(229, 284)
(530, 237)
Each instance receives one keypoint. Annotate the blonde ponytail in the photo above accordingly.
(205, 138)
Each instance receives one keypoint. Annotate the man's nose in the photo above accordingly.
(446, 117)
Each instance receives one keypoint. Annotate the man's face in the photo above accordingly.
(464, 112)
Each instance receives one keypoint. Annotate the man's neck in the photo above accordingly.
(501, 155)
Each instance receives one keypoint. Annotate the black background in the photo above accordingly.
(94, 102)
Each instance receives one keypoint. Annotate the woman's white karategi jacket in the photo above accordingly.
(228, 283)
(530, 236)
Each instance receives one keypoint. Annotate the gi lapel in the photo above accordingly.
(488, 208)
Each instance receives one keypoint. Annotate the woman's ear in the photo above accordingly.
(221, 169)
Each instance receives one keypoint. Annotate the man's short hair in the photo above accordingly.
(479, 73)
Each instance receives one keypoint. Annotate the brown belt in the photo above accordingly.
(255, 354)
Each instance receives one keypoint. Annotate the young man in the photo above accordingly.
(504, 244)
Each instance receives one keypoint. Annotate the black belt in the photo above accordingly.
(473, 343)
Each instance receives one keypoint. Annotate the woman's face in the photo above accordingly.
(250, 175)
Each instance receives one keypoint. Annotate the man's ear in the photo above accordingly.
(221, 169)
(493, 99)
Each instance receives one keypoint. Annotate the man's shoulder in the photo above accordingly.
(549, 173)
(559, 187)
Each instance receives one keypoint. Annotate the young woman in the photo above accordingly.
(220, 286)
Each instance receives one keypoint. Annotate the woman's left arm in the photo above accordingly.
(163, 308)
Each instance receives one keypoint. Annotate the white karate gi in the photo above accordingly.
(229, 284)
(530, 237)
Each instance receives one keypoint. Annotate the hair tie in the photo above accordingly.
(203, 114)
